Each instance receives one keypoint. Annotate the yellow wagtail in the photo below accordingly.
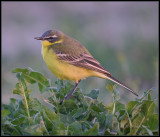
(68, 59)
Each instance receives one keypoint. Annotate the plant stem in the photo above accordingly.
(26, 103)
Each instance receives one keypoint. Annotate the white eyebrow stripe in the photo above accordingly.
(48, 37)
(54, 36)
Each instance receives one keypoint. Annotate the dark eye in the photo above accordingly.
(52, 39)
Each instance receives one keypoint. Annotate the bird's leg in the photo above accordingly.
(70, 93)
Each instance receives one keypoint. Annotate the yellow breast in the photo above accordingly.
(62, 69)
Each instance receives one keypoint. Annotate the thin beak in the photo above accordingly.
(39, 38)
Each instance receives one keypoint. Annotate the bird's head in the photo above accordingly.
(51, 37)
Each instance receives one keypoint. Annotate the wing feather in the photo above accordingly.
(83, 60)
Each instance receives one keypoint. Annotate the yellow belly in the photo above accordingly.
(62, 69)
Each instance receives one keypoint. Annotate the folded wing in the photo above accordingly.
(83, 60)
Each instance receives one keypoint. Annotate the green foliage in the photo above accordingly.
(83, 114)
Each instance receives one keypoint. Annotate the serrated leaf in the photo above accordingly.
(32, 77)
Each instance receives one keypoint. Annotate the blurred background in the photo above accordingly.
(122, 36)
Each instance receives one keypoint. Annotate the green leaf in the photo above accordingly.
(77, 112)
(32, 76)
(83, 115)
(66, 119)
(115, 125)
(96, 108)
(37, 129)
(152, 122)
(93, 94)
(109, 120)
(144, 95)
(13, 103)
(110, 87)
(149, 96)
(147, 107)
(109, 107)
(19, 89)
(49, 117)
(148, 130)
(67, 106)
(58, 128)
(16, 132)
(110, 132)
(16, 70)
(118, 106)
(116, 94)
(59, 84)
(5, 113)
(124, 120)
(102, 120)
(18, 121)
(75, 129)
(131, 106)
(39, 77)
(92, 131)
(136, 124)
(86, 125)
(34, 104)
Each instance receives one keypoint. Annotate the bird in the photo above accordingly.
(69, 60)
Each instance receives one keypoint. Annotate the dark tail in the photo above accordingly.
(120, 83)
